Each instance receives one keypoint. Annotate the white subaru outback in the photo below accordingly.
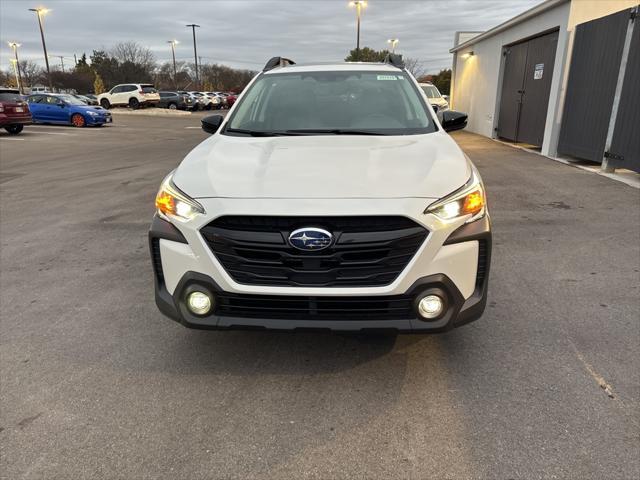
(331, 197)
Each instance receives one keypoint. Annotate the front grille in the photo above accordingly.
(367, 251)
(397, 307)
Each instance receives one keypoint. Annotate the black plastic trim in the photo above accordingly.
(277, 62)
(161, 228)
(460, 312)
(480, 230)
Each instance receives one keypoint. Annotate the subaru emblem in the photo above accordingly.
(310, 239)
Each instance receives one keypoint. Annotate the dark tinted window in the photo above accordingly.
(35, 99)
(148, 89)
(10, 97)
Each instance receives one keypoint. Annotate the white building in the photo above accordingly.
(514, 80)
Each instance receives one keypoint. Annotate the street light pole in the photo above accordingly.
(393, 42)
(173, 54)
(195, 51)
(359, 4)
(39, 13)
(15, 46)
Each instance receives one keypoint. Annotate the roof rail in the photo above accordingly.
(394, 59)
(277, 62)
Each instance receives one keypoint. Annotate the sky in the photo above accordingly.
(246, 33)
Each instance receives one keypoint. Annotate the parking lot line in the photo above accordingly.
(193, 127)
(55, 133)
(10, 138)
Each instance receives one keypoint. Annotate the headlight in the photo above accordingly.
(92, 113)
(173, 203)
(468, 200)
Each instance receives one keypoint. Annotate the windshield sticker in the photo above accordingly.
(387, 77)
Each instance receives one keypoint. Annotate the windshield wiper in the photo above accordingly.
(332, 131)
(253, 133)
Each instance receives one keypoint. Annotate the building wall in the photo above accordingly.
(477, 81)
(479, 77)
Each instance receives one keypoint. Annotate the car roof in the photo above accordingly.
(336, 67)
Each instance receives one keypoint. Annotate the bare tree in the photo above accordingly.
(134, 53)
(32, 73)
(414, 66)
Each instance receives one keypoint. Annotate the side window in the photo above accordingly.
(117, 89)
(35, 99)
(51, 100)
(131, 88)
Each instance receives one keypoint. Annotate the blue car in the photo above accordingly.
(66, 109)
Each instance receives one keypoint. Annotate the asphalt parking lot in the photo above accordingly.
(96, 383)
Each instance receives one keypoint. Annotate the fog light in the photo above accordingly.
(431, 306)
(199, 303)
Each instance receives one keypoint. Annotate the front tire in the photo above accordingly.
(173, 106)
(78, 121)
(104, 103)
(134, 104)
(14, 129)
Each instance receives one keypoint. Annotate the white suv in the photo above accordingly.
(134, 95)
(436, 100)
(314, 204)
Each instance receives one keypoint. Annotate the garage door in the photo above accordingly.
(526, 83)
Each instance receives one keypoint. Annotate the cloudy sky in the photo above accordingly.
(245, 33)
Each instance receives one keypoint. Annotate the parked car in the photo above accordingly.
(375, 220)
(66, 109)
(175, 101)
(437, 101)
(14, 111)
(85, 99)
(207, 102)
(133, 95)
(221, 98)
(231, 99)
(40, 89)
(198, 102)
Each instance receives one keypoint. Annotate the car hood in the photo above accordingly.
(418, 166)
(438, 101)
(90, 108)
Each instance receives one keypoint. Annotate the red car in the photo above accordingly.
(231, 99)
(14, 112)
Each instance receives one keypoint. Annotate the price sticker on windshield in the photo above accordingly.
(387, 77)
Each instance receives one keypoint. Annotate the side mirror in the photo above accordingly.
(212, 123)
(446, 97)
(452, 120)
(62, 105)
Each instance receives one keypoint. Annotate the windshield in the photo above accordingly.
(431, 91)
(357, 102)
(71, 100)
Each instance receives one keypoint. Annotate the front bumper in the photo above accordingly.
(454, 261)
(99, 120)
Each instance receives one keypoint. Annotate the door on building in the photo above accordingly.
(596, 62)
(526, 83)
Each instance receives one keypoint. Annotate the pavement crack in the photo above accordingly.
(28, 420)
(595, 375)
